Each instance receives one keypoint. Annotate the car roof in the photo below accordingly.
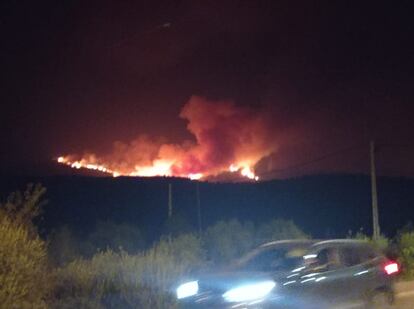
(289, 242)
(345, 241)
(314, 242)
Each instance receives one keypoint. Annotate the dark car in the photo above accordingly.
(298, 274)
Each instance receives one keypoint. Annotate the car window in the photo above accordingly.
(330, 258)
(351, 256)
(274, 259)
(367, 253)
(358, 254)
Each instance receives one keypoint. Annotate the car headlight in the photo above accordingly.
(187, 289)
(249, 292)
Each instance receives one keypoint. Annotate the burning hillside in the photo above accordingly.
(227, 139)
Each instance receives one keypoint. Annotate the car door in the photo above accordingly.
(364, 266)
(324, 281)
(357, 275)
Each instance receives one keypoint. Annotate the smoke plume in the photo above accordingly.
(227, 138)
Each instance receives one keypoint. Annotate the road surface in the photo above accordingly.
(406, 302)
(405, 295)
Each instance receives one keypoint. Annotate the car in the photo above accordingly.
(341, 273)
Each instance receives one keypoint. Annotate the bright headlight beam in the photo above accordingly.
(187, 289)
(249, 292)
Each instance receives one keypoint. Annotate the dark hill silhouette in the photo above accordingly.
(323, 205)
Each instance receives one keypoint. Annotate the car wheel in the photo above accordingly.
(381, 300)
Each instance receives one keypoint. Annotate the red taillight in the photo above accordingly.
(391, 268)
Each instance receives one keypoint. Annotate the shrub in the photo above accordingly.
(227, 240)
(176, 225)
(84, 283)
(382, 243)
(24, 281)
(114, 236)
(23, 208)
(23, 271)
(406, 251)
(279, 229)
(170, 259)
(121, 280)
(63, 247)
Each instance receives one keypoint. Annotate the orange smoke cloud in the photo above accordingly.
(227, 139)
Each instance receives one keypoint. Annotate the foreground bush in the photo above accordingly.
(23, 208)
(24, 281)
(406, 252)
(121, 280)
(23, 267)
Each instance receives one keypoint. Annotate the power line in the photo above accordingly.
(305, 163)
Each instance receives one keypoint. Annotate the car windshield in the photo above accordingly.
(274, 258)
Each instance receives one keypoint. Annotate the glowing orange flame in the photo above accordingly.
(84, 164)
(160, 168)
(245, 170)
(227, 139)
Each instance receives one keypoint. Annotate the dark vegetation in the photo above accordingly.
(314, 203)
(62, 259)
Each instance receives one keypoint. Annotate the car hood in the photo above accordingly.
(225, 280)
(212, 286)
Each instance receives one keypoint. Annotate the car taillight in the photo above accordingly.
(391, 268)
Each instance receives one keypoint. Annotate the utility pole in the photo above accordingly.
(198, 207)
(170, 200)
(374, 194)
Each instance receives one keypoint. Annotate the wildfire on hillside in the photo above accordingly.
(228, 139)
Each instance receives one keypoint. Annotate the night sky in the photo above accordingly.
(79, 75)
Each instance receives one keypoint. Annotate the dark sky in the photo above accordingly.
(79, 75)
